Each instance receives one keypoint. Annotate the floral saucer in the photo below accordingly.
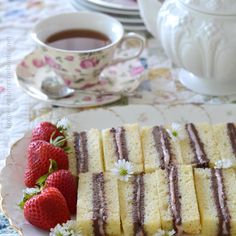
(32, 70)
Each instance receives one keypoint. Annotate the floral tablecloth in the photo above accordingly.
(17, 109)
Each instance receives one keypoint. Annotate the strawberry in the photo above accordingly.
(30, 177)
(44, 131)
(39, 155)
(47, 209)
(66, 183)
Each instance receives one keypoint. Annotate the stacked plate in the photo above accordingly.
(126, 11)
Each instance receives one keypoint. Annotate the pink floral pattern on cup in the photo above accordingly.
(24, 64)
(69, 58)
(38, 63)
(89, 63)
(49, 61)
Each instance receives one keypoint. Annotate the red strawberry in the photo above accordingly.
(39, 155)
(66, 183)
(44, 131)
(30, 177)
(47, 209)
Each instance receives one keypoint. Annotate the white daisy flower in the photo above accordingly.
(63, 124)
(66, 229)
(176, 132)
(224, 164)
(31, 191)
(123, 170)
(161, 232)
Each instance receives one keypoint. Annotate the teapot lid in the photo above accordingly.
(219, 7)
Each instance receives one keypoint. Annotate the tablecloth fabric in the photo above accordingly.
(17, 109)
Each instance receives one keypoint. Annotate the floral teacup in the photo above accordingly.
(80, 69)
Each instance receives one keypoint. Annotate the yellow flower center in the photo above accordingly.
(123, 172)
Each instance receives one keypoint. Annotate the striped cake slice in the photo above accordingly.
(139, 205)
(98, 211)
(123, 143)
(199, 147)
(177, 200)
(85, 152)
(225, 136)
(159, 150)
(216, 193)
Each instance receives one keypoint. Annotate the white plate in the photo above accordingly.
(129, 27)
(32, 70)
(77, 3)
(124, 18)
(13, 172)
(117, 4)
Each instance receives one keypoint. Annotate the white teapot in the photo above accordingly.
(199, 36)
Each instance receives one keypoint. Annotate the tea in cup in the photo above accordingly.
(79, 45)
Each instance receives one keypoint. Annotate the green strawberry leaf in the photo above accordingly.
(67, 150)
(27, 194)
(58, 141)
(52, 168)
(41, 181)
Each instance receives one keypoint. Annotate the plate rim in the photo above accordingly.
(7, 163)
(123, 18)
(76, 3)
(113, 5)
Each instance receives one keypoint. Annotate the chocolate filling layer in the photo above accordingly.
(163, 146)
(197, 146)
(218, 189)
(232, 135)
(119, 140)
(99, 205)
(138, 205)
(81, 151)
(174, 198)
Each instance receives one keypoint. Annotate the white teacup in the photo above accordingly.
(80, 68)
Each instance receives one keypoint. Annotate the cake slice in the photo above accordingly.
(123, 143)
(139, 205)
(85, 152)
(199, 147)
(177, 200)
(216, 193)
(159, 149)
(98, 211)
(225, 136)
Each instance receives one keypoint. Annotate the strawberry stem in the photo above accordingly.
(58, 141)
(53, 167)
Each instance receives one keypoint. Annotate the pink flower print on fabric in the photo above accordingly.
(49, 61)
(2, 89)
(38, 63)
(89, 63)
(137, 70)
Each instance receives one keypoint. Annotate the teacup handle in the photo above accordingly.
(126, 37)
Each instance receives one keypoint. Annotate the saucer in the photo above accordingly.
(32, 70)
